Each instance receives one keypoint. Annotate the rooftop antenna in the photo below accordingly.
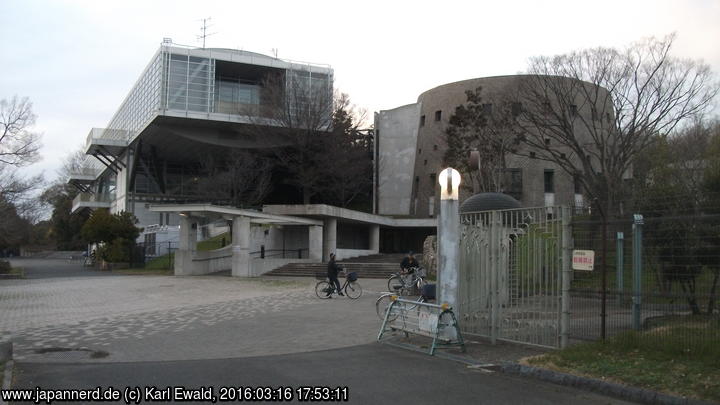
(275, 52)
(204, 29)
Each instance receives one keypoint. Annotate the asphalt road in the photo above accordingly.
(373, 373)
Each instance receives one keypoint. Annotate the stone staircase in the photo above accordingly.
(374, 266)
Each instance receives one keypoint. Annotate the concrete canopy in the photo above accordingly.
(216, 211)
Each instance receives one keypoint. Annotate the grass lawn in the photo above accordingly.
(216, 242)
(679, 357)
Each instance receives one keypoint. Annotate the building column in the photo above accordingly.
(329, 237)
(375, 238)
(187, 246)
(315, 242)
(241, 247)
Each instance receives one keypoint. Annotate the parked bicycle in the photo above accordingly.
(427, 294)
(402, 283)
(325, 289)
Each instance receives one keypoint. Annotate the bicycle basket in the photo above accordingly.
(352, 276)
(428, 291)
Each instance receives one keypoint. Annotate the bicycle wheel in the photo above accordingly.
(395, 284)
(323, 289)
(381, 306)
(353, 290)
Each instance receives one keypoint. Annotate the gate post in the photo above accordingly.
(495, 227)
(449, 241)
(637, 270)
(566, 276)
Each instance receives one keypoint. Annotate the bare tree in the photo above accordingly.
(592, 111)
(19, 146)
(488, 126)
(239, 177)
(346, 151)
(297, 108)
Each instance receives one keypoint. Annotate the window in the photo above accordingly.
(562, 156)
(419, 151)
(435, 147)
(578, 184)
(547, 141)
(487, 108)
(513, 183)
(532, 155)
(422, 121)
(549, 181)
(516, 109)
(438, 115)
(432, 179)
(573, 110)
(425, 162)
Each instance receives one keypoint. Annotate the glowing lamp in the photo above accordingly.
(449, 180)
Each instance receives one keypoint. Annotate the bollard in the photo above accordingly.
(619, 268)
(637, 271)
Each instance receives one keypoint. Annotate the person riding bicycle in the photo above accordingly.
(332, 272)
(408, 264)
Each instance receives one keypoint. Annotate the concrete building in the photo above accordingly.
(190, 103)
(411, 143)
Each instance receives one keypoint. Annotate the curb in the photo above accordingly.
(640, 395)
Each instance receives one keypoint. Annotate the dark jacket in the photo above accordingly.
(408, 263)
(333, 269)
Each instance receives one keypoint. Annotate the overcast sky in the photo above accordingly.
(77, 60)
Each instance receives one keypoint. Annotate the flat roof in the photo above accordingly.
(330, 211)
(209, 210)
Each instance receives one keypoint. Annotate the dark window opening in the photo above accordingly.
(425, 162)
(532, 155)
(549, 181)
(513, 183)
(577, 182)
(516, 109)
(573, 110)
(562, 156)
(432, 179)
(547, 141)
(422, 121)
(438, 115)
(419, 151)
(487, 108)
(435, 147)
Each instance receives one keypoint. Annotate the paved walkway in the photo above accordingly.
(156, 318)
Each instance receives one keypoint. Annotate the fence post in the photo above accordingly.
(566, 276)
(495, 225)
(619, 268)
(262, 251)
(637, 270)
(170, 258)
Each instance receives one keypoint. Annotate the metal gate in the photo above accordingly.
(514, 275)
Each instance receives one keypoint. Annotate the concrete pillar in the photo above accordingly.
(315, 242)
(187, 246)
(329, 238)
(375, 238)
(448, 252)
(241, 247)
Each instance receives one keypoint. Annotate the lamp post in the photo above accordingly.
(448, 238)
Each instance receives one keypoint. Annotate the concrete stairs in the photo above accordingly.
(376, 266)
